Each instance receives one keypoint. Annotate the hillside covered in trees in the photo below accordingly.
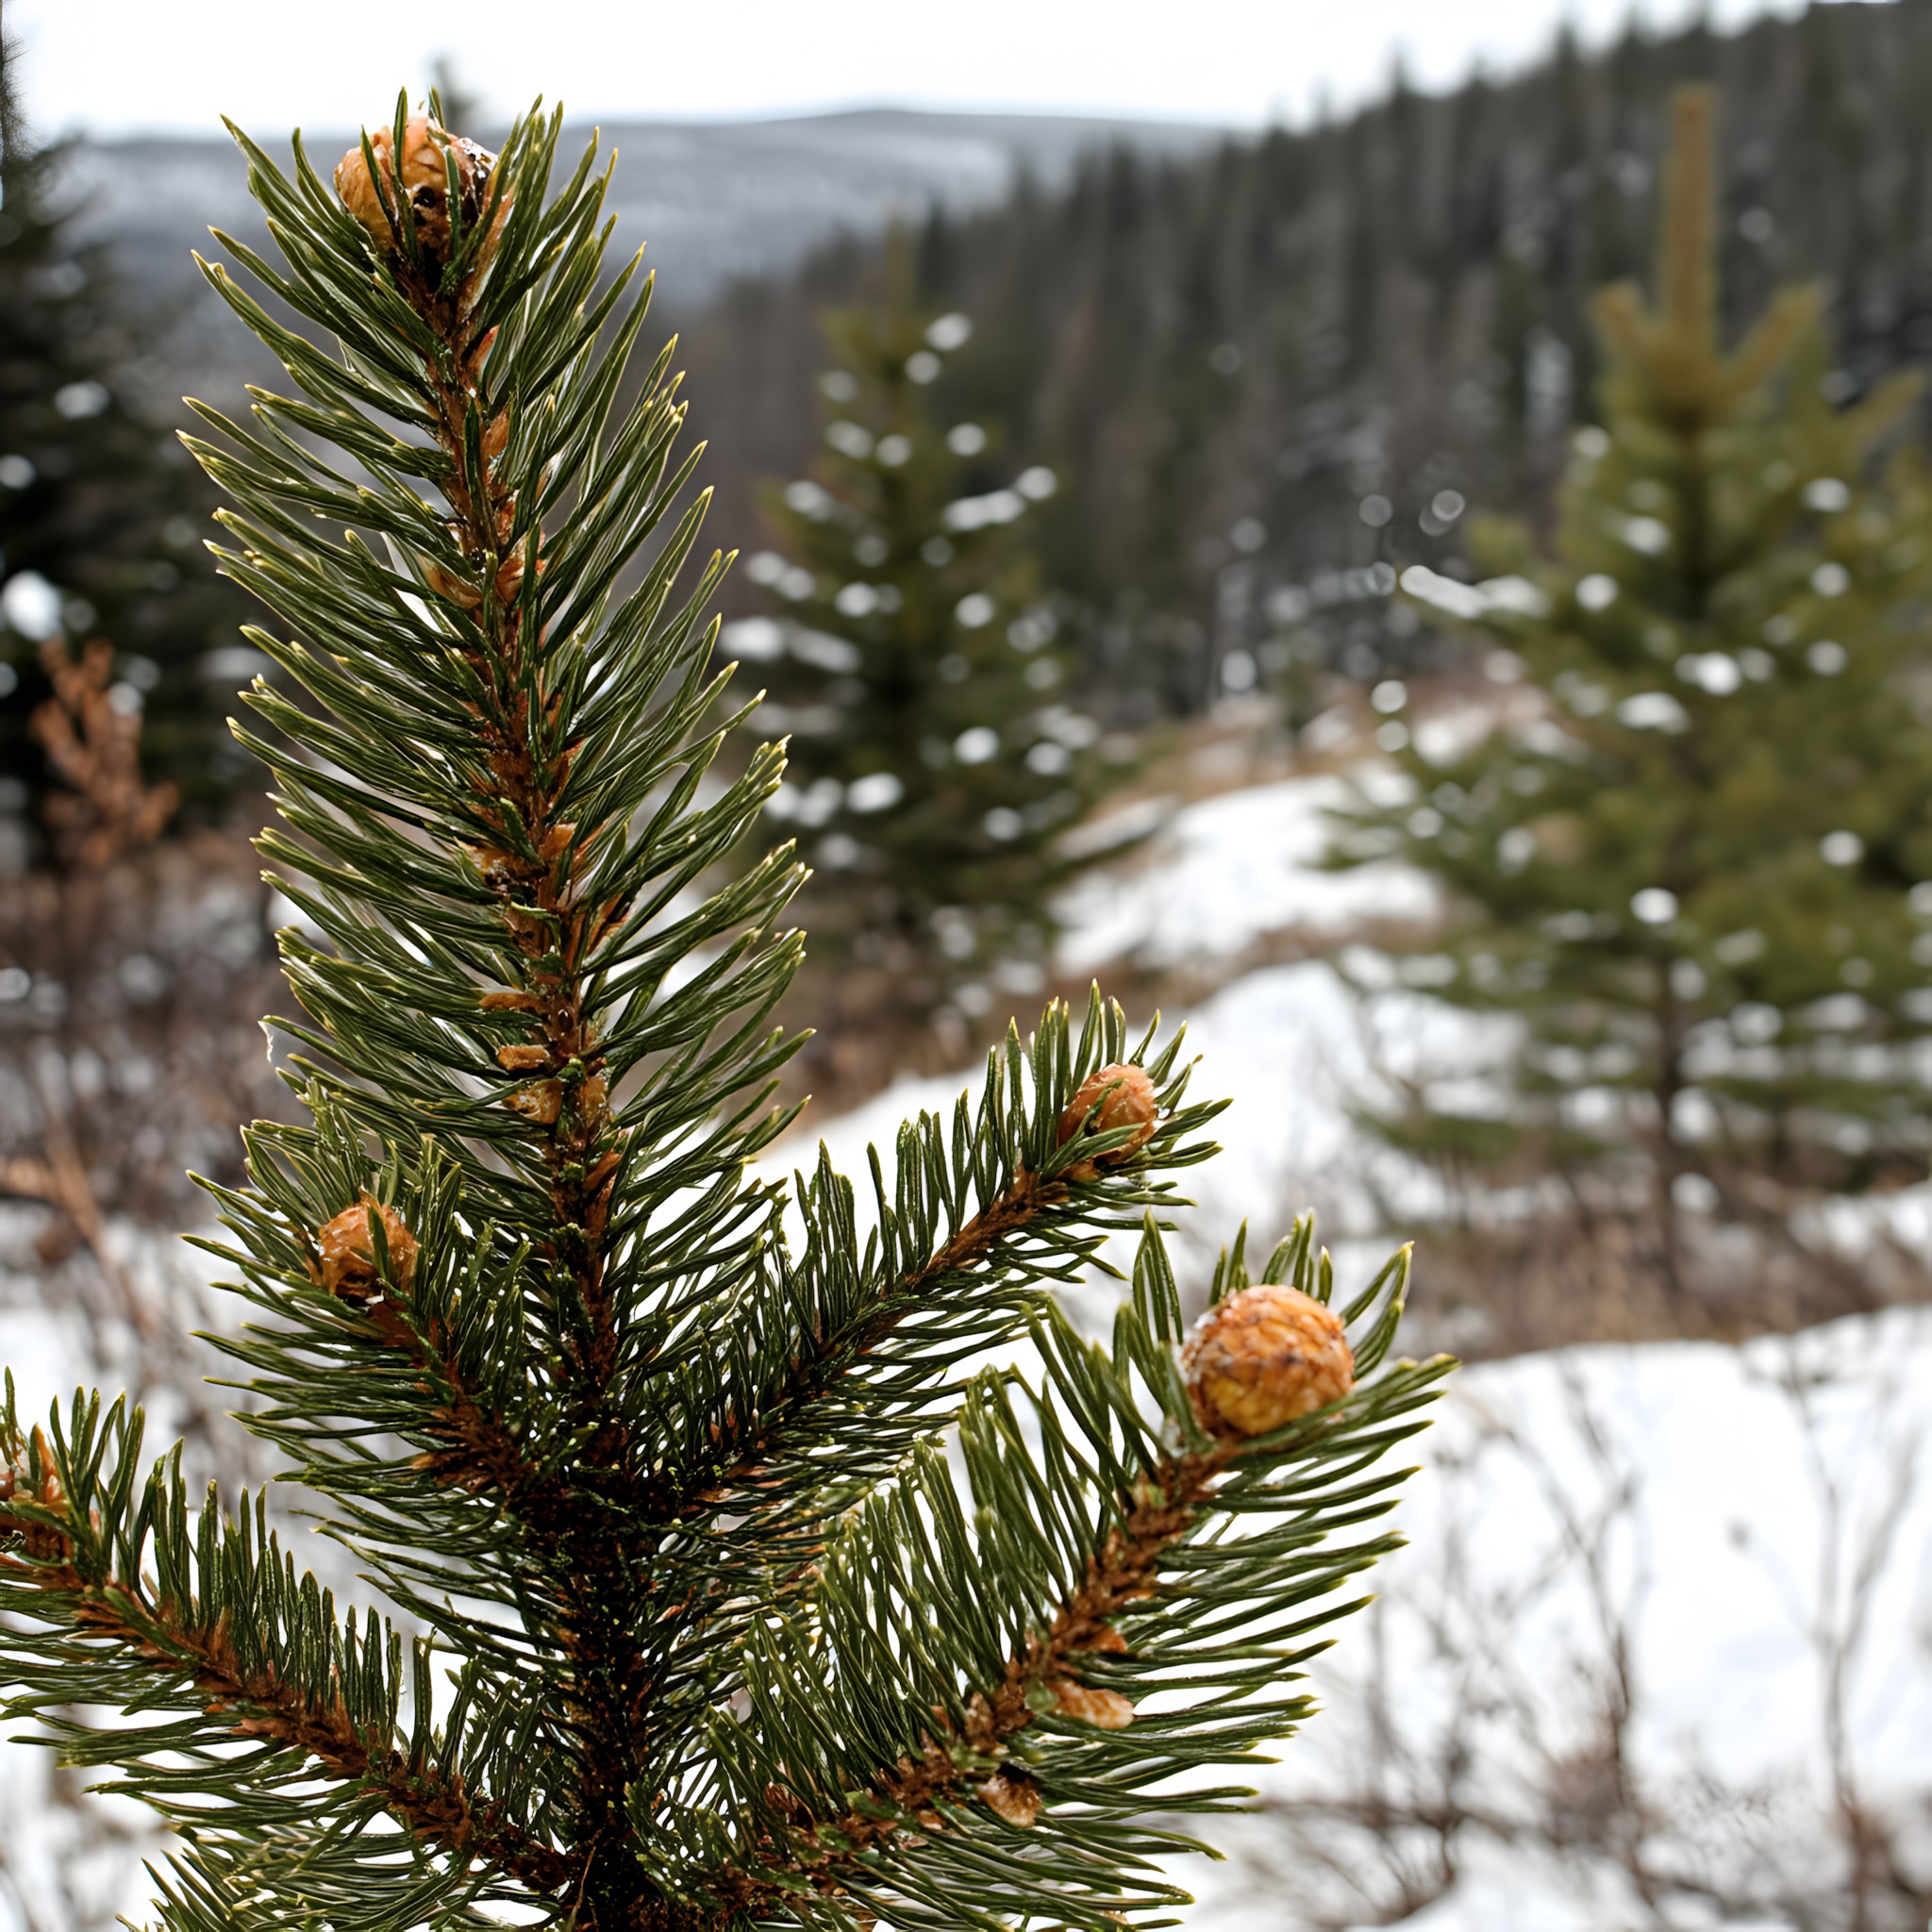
(1262, 373)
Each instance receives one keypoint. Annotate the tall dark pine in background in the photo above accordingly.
(103, 518)
(935, 764)
(723, 1596)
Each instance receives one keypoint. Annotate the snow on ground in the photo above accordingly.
(1229, 870)
(1675, 1531)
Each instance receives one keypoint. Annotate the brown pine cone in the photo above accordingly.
(1014, 1794)
(1129, 1102)
(424, 181)
(1264, 1357)
(347, 1264)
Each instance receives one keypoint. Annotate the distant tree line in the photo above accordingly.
(1274, 376)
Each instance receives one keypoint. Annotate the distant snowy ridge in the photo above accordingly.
(714, 199)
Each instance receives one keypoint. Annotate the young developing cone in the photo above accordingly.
(540, 1102)
(346, 1266)
(509, 572)
(447, 583)
(498, 867)
(1264, 1357)
(1106, 1711)
(504, 1002)
(425, 181)
(1131, 1103)
(1014, 1794)
(521, 1060)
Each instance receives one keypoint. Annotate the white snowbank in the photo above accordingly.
(1233, 869)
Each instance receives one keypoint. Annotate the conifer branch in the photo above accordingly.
(263, 1704)
(948, 1278)
(965, 1759)
(478, 1451)
(544, 843)
(754, 1440)
(1044, 1746)
(86, 1582)
(670, 1494)
(531, 859)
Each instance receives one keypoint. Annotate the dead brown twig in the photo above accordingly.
(94, 748)
(58, 1177)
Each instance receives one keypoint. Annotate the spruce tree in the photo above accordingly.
(102, 514)
(934, 763)
(720, 1583)
(1695, 875)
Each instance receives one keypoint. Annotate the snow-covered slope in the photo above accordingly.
(1233, 870)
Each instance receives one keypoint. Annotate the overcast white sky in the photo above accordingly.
(124, 66)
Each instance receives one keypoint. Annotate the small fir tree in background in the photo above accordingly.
(727, 1596)
(934, 763)
(103, 518)
(1695, 877)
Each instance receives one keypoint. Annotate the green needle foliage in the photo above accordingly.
(727, 1577)
(934, 765)
(1693, 873)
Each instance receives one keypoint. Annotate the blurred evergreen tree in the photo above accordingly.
(102, 514)
(936, 764)
(1695, 871)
